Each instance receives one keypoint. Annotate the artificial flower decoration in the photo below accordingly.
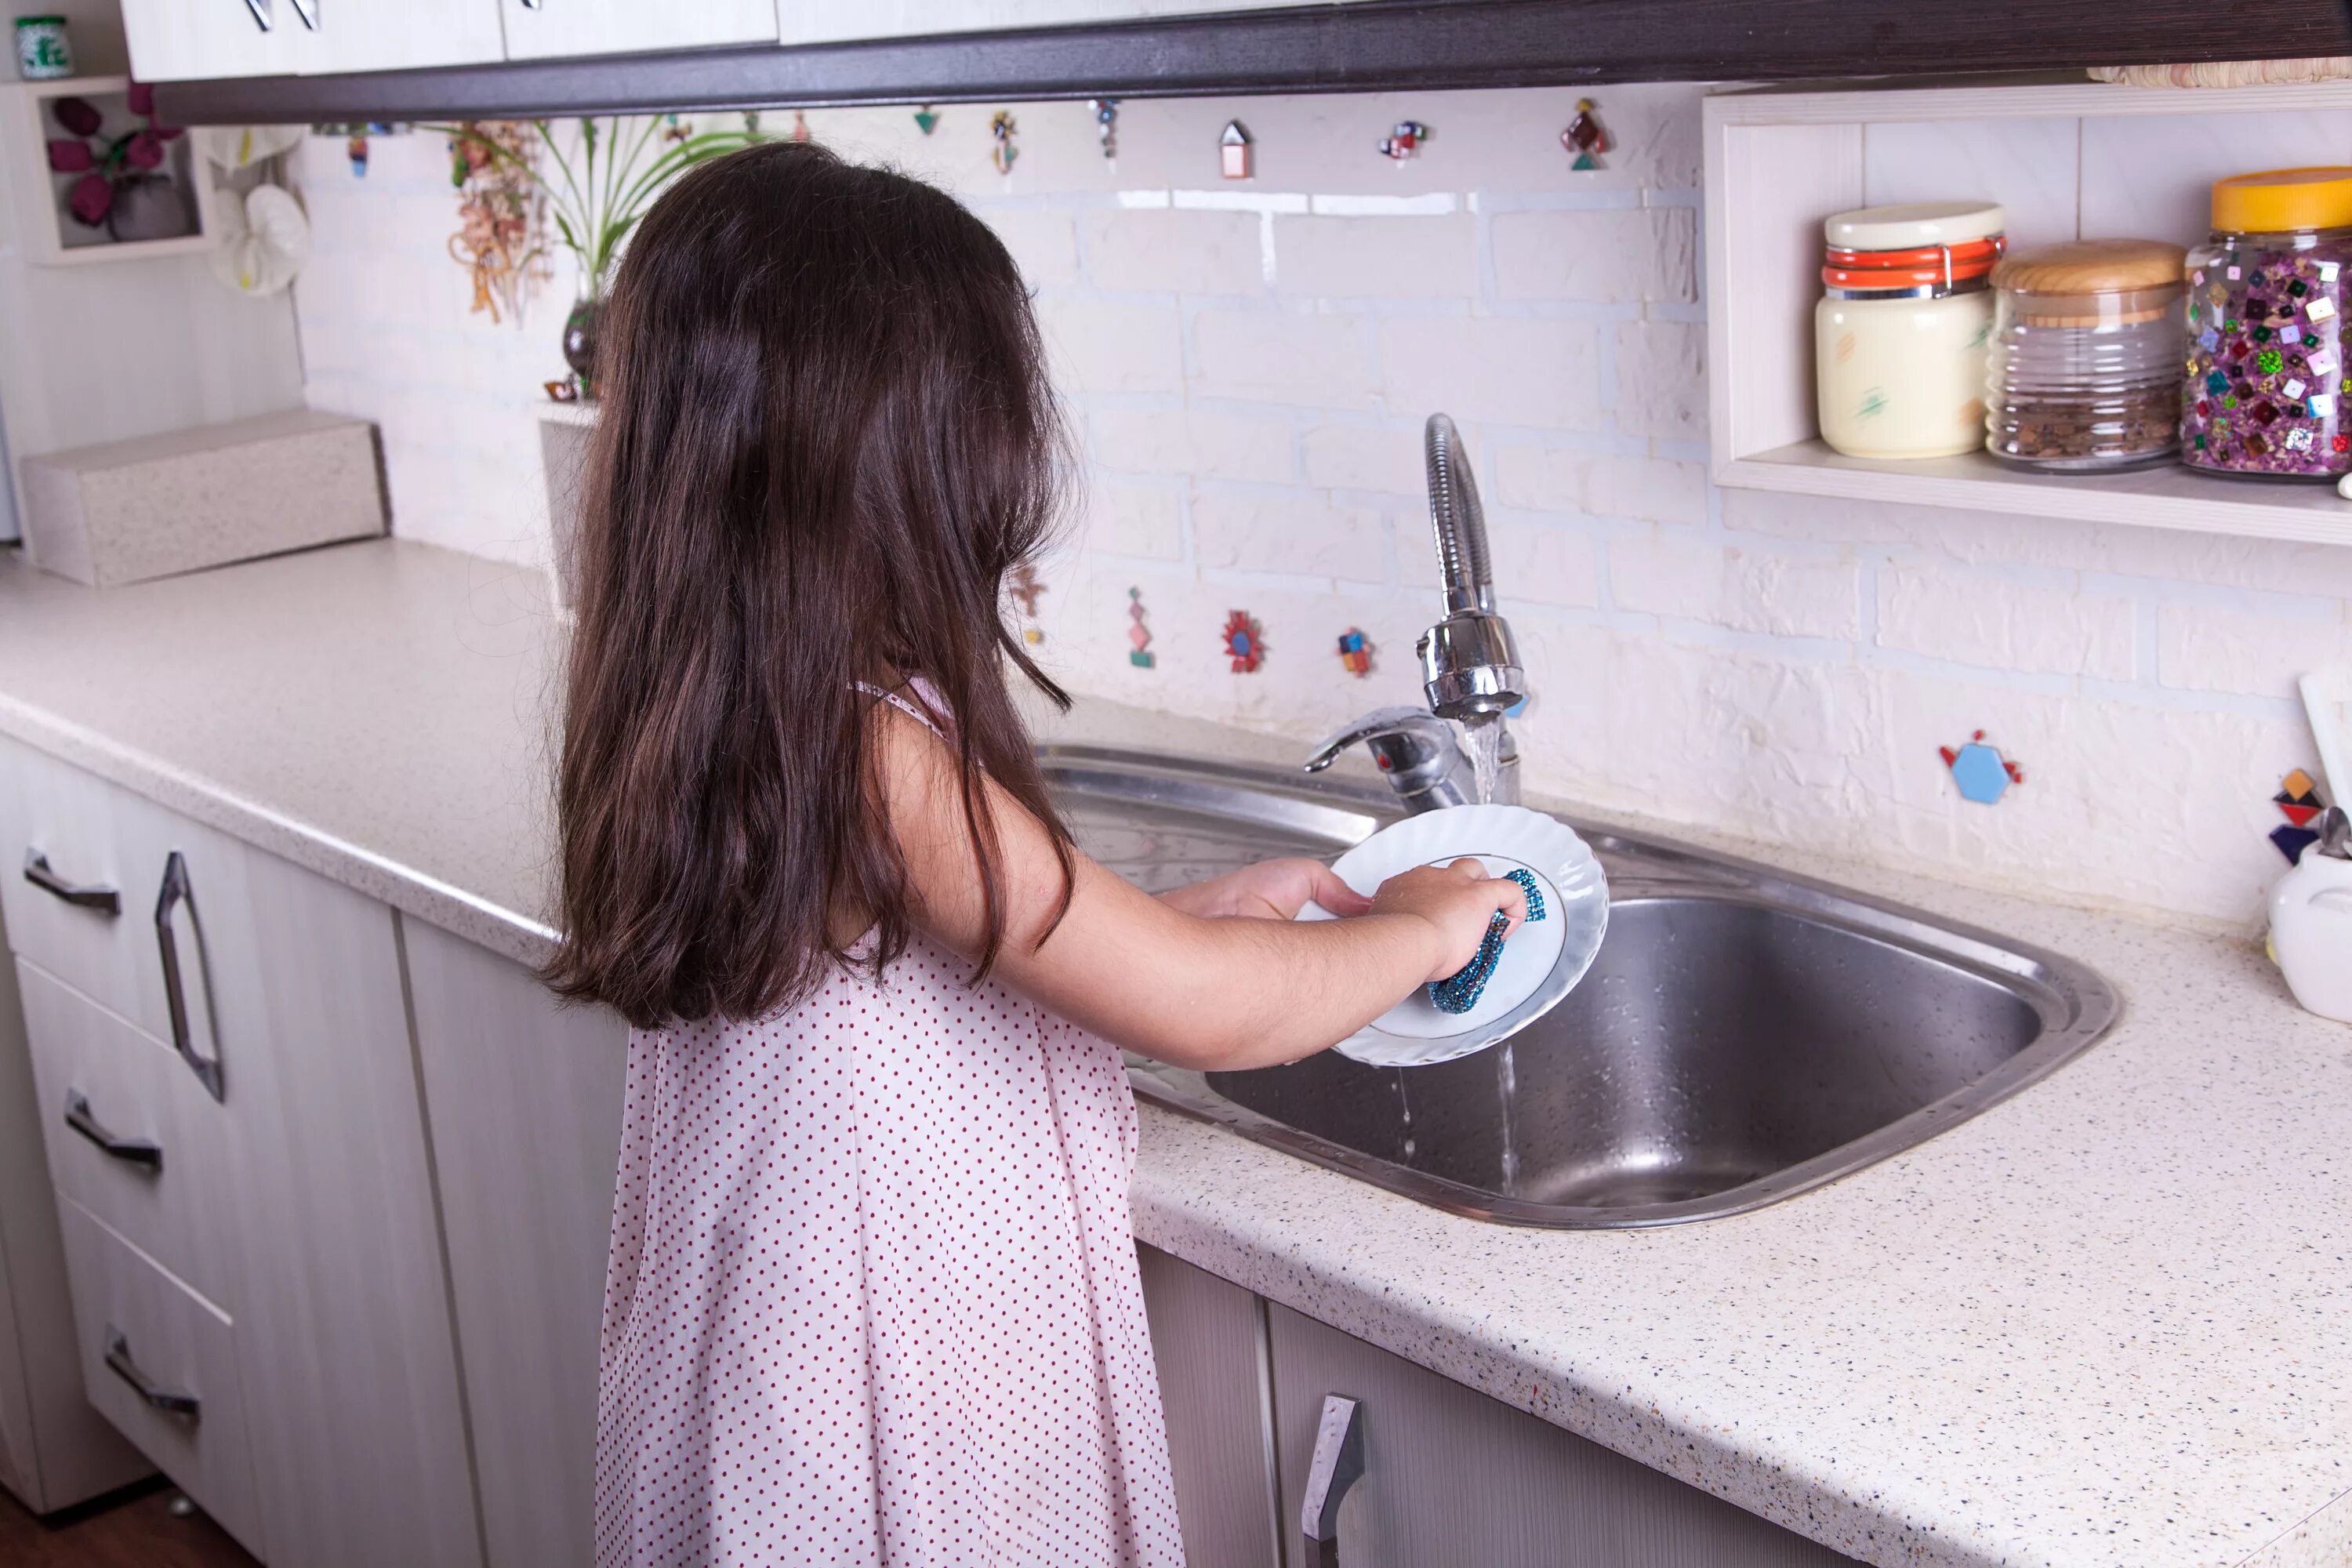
(107, 168)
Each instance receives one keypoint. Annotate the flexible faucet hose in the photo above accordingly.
(1458, 519)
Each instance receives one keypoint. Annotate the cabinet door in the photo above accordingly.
(393, 34)
(525, 1097)
(350, 1367)
(543, 29)
(830, 21)
(1208, 1336)
(179, 40)
(1451, 1476)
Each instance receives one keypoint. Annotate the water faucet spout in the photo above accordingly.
(1469, 661)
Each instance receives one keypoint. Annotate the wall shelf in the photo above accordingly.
(2069, 159)
(51, 237)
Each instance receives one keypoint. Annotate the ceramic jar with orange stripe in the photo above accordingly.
(1899, 334)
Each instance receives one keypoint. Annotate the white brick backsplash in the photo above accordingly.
(1317, 360)
(1185, 252)
(1194, 442)
(1783, 665)
(1699, 579)
(1291, 533)
(1364, 458)
(1545, 478)
(1042, 243)
(1662, 380)
(1506, 371)
(2204, 650)
(1134, 520)
(1972, 619)
(1378, 258)
(1641, 254)
(1542, 563)
(1099, 347)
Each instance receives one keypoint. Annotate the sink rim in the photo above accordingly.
(2076, 1003)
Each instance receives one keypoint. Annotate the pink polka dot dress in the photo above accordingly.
(873, 1296)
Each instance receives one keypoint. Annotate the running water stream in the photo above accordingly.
(1481, 735)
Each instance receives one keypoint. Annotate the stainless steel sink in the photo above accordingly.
(1745, 1036)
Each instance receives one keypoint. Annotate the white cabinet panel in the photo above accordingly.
(175, 40)
(1208, 1336)
(393, 34)
(828, 21)
(525, 1098)
(546, 29)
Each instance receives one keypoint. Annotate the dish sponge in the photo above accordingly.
(1459, 991)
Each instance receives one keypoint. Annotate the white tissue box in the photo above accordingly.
(161, 505)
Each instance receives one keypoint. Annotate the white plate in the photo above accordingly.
(1541, 961)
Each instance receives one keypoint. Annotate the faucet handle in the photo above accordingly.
(1413, 748)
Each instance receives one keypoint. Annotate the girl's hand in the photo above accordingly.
(1458, 902)
(1269, 890)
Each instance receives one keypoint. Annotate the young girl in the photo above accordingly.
(873, 1295)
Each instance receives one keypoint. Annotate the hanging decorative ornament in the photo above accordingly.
(1001, 128)
(1024, 590)
(800, 126)
(1404, 139)
(1586, 136)
(1356, 652)
(751, 122)
(1244, 642)
(500, 237)
(1106, 125)
(1982, 773)
(1237, 154)
(676, 130)
(356, 149)
(926, 120)
(1139, 635)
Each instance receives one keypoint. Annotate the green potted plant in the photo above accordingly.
(596, 193)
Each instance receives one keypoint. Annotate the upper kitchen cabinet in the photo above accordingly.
(331, 36)
(548, 29)
(182, 40)
(834, 21)
(179, 40)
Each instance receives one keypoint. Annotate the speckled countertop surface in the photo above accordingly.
(2108, 1322)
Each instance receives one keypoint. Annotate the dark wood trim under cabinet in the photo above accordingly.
(1364, 46)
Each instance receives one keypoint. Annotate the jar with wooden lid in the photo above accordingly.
(2267, 292)
(1899, 334)
(2083, 370)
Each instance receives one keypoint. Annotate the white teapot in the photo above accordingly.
(2310, 931)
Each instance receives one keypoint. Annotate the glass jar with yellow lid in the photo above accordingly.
(2267, 291)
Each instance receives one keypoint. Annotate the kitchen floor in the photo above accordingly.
(132, 1528)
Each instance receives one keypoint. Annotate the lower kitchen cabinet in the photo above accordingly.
(1209, 1337)
(525, 1097)
(1452, 1475)
(229, 1101)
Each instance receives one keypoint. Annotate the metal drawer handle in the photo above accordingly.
(148, 1156)
(309, 11)
(261, 17)
(170, 1401)
(89, 896)
(175, 892)
(1339, 1465)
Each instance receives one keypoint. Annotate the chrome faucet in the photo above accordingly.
(1470, 669)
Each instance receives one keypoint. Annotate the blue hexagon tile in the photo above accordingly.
(1983, 774)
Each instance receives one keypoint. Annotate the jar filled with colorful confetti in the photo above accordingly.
(1899, 334)
(2266, 295)
(2084, 371)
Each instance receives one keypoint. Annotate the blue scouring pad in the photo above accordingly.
(1459, 991)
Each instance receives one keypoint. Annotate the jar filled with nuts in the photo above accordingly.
(2084, 368)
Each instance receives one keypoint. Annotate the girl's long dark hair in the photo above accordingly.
(825, 436)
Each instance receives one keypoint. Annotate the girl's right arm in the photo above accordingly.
(1211, 993)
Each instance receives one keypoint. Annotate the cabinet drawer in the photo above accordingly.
(159, 1178)
(161, 1363)
(78, 884)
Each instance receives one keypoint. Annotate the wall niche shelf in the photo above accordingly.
(2069, 159)
(52, 238)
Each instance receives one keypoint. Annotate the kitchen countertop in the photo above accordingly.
(2107, 1323)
